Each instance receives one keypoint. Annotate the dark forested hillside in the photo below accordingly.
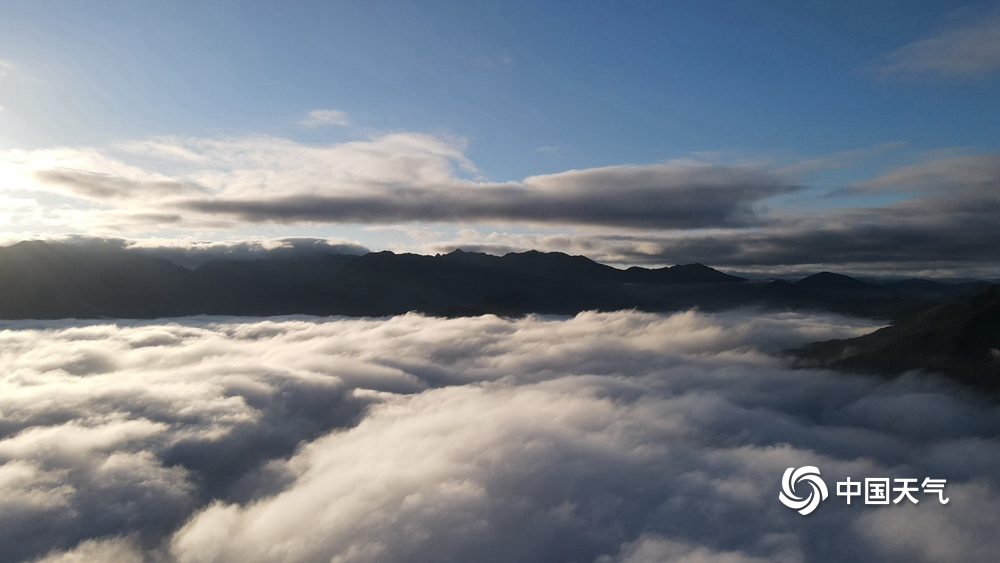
(960, 339)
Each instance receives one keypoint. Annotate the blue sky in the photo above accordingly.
(820, 95)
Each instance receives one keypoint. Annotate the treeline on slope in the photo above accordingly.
(45, 280)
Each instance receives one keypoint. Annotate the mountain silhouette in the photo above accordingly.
(959, 339)
(47, 280)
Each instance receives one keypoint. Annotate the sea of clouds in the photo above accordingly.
(603, 437)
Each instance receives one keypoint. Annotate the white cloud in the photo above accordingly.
(117, 550)
(960, 52)
(930, 532)
(606, 436)
(322, 117)
(654, 549)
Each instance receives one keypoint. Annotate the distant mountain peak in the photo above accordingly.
(830, 279)
(681, 274)
(697, 266)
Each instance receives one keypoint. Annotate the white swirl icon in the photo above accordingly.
(810, 475)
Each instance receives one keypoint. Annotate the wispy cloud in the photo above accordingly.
(960, 52)
(104, 186)
(959, 175)
(841, 159)
(323, 117)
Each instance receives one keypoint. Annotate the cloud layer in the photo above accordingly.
(943, 217)
(396, 178)
(603, 437)
(652, 196)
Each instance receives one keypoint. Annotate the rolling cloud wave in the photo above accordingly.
(603, 437)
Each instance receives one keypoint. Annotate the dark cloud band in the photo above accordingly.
(663, 197)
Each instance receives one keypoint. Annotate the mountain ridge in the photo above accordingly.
(62, 280)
